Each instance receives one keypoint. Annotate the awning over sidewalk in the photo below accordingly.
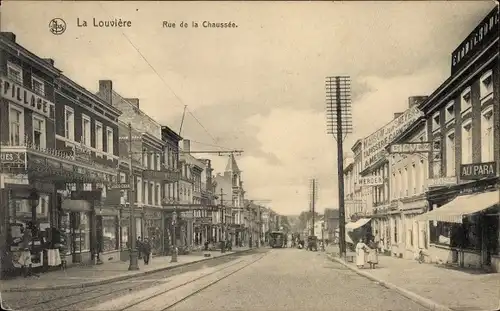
(356, 225)
(462, 206)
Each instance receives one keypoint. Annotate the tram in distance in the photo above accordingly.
(277, 239)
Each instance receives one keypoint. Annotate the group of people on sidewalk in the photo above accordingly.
(144, 249)
(367, 252)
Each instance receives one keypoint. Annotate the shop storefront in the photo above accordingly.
(126, 232)
(464, 224)
(153, 230)
(108, 231)
(34, 185)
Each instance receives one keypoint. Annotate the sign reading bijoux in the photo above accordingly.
(370, 181)
(374, 145)
(478, 170)
(441, 181)
(420, 147)
(26, 98)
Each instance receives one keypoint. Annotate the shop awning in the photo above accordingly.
(356, 225)
(462, 206)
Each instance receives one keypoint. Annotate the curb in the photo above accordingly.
(408, 294)
(117, 278)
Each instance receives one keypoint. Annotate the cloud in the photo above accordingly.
(259, 87)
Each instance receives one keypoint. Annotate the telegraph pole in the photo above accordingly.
(313, 204)
(133, 264)
(339, 124)
(223, 221)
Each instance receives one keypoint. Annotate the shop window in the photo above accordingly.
(69, 123)
(82, 233)
(124, 238)
(487, 139)
(85, 139)
(39, 132)
(38, 85)
(16, 121)
(109, 233)
(15, 72)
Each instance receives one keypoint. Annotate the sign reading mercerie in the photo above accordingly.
(374, 145)
(478, 170)
(24, 97)
(370, 181)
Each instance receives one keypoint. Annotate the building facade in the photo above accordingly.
(462, 117)
(58, 152)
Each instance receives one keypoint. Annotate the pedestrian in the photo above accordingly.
(372, 254)
(138, 246)
(146, 251)
(25, 252)
(361, 249)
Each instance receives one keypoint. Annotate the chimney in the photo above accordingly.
(133, 101)
(106, 91)
(49, 60)
(9, 36)
(397, 115)
(186, 145)
(416, 100)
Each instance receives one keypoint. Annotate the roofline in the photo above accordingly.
(431, 100)
(358, 142)
(171, 132)
(90, 95)
(30, 55)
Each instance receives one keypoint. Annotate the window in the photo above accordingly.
(486, 86)
(16, 122)
(158, 194)
(69, 123)
(158, 162)
(436, 121)
(98, 136)
(145, 159)
(39, 133)
(109, 233)
(109, 140)
(85, 130)
(152, 161)
(14, 72)
(450, 154)
(405, 182)
(465, 100)
(146, 192)
(87, 187)
(37, 85)
(467, 142)
(450, 111)
(82, 236)
(487, 140)
(415, 181)
(139, 190)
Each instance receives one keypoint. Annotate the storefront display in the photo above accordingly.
(109, 233)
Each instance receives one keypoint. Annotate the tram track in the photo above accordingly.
(157, 299)
(74, 299)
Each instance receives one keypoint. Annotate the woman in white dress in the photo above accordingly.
(361, 249)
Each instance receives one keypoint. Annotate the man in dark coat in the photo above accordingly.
(146, 251)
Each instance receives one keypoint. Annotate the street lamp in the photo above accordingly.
(34, 199)
(174, 238)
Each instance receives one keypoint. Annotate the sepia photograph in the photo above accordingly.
(249, 155)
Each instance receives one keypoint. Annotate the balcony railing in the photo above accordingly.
(78, 155)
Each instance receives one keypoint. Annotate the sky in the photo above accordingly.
(259, 87)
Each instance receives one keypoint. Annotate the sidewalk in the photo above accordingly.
(86, 276)
(436, 287)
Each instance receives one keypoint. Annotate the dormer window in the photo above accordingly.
(486, 86)
(436, 121)
(450, 111)
(465, 100)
